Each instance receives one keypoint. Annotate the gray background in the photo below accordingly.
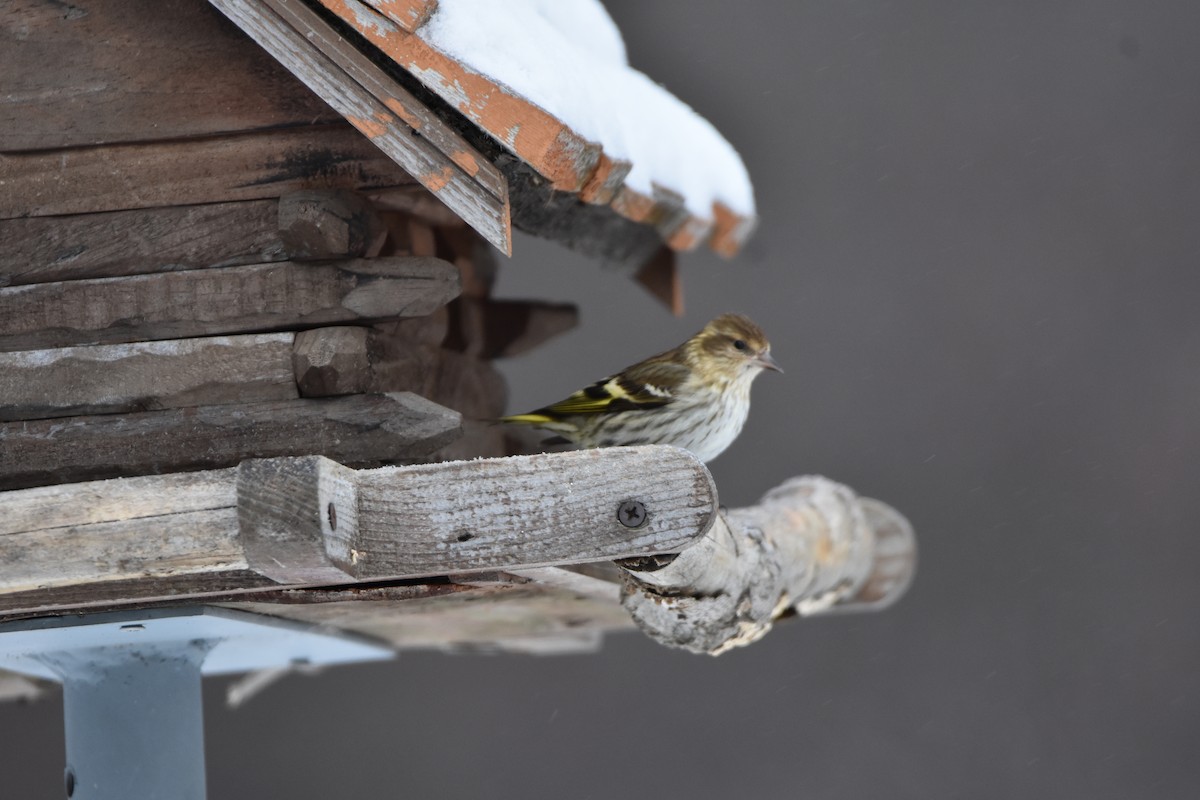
(977, 262)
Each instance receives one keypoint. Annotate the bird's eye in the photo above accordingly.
(740, 344)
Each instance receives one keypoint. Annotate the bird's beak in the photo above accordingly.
(766, 362)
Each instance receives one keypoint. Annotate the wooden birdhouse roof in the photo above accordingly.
(542, 128)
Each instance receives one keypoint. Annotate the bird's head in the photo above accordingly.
(733, 347)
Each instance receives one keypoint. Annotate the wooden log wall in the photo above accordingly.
(202, 262)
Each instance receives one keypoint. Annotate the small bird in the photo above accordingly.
(696, 396)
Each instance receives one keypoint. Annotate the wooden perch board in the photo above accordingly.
(381, 110)
(243, 166)
(145, 376)
(259, 297)
(358, 428)
(177, 537)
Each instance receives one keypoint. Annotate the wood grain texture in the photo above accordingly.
(408, 14)
(145, 376)
(385, 113)
(298, 518)
(504, 618)
(146, 528)
(810, 546)
(329, 223)
(260, 297)
(105, 71)
(355, 429)
(115, 243)
(558, 154)
(536, 510)
(345, 360)
(244, 166)
(312, 520)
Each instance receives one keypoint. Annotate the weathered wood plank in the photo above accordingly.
(408, 14)
(528, 510)
(182, 542)
(558, 154)
(324, 224)
(115, 243)
(119, 539)
(131, 70)
(136, 591)
(310, 519)
(427, 125)
(389, 116)
(355, 429)
(260, 297)
(145, 376)
(247, 166)
(188, 536)
(503, 617)
(345, 360)
(79, 505)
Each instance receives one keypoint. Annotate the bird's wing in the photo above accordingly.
(645, 385)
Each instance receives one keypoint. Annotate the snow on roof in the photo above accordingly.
(567, 57)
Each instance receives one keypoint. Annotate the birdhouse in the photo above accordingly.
(247, 337)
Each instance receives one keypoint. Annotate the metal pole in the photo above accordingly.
(134, 722)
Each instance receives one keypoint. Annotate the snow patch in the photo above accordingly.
(567, 57)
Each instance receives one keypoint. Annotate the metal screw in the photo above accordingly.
(331, 510)
(631, 514)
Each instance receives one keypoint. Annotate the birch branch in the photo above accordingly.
(810, 546)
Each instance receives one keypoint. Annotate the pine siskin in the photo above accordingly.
(696, 396)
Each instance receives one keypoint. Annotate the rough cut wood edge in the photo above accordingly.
(809, 547)
(408, 14)
(244, 166)
(660, 276)
(541, 140)
(261, 297)
(146, 376)
(730, 230)
(322, 224)
(426, 125)
(116, 243)
(465, 516)
(111, 71)
(353, 429)
(349, 360)
(559, 154)
(321, 60)
(528, 618)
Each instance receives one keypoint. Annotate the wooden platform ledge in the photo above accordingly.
(305, 521)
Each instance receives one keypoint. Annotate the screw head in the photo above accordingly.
(631, 514)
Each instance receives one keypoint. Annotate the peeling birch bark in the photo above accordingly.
(810, 546)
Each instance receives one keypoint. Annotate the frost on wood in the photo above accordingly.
(810, 546)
